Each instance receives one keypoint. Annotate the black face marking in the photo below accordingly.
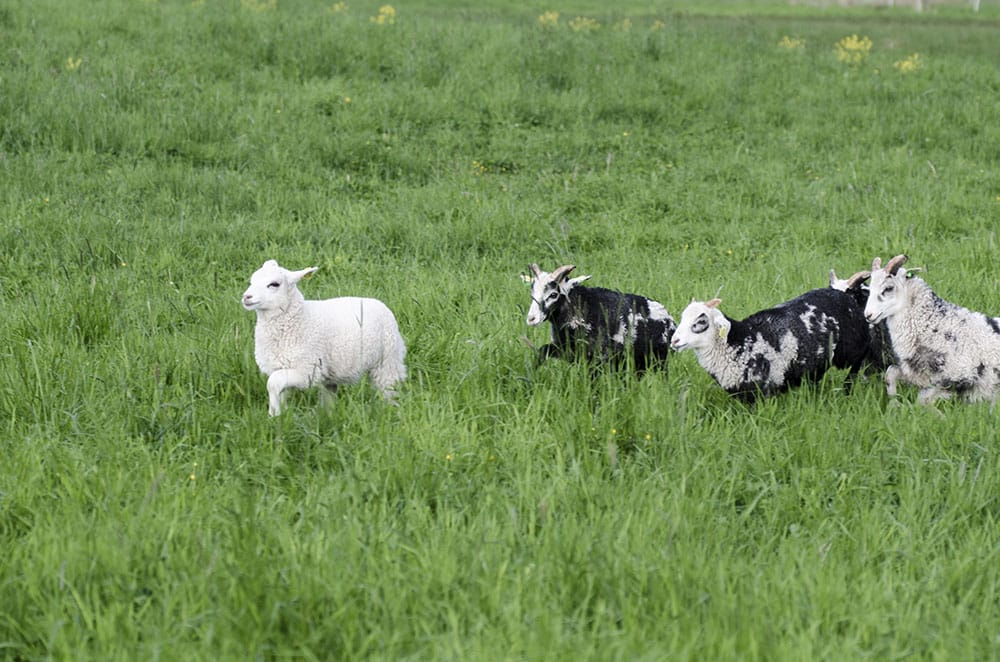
(701, 324)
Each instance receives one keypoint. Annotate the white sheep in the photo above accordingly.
(941, 347)
(300, 343)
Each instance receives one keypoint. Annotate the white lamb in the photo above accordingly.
(941, 347)
(300, 343)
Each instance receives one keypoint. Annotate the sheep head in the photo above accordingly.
(888, 286)
(548, 289)
(700, 326)
(273, 288)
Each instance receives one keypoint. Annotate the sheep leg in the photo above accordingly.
(278, 382)
(328, 395)
(931, 394)
(892, 375)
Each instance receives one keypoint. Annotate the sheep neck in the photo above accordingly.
(921, 309)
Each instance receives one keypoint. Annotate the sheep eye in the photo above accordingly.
(274, 284)
(700, 324)
(888, 289)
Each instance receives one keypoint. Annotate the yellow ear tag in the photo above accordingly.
(722, 332)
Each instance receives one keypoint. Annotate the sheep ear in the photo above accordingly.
(833, 277)
(578, 280)
(535, 269)
(560, 274)
(876, 264)
(296, 276)
(714, 303)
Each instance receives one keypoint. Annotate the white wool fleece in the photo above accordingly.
(941, 347)
(300, 343)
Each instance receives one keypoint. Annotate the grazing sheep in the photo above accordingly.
(941, 347)
(881, 355)
(778, 348)
(597, 323)
(300, 343)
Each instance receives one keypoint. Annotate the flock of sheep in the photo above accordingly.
(896, 324)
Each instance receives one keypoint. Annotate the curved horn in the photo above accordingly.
(857, 279)
(563, 271)
(895, 263)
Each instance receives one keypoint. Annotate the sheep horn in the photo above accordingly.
(833, 277)
(876, 264)
(857, 279)
(895, 263)
(559, 274)
(535, 269)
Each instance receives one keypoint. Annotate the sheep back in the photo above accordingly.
(338, 340)
(599, 324)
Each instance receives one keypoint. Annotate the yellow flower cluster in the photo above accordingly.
(549, 20)
(73, 63)
(853, 49)
(908, 65)
(792, 43)
(624, 26)
(338, 8)
(583, 24)
(386, 15)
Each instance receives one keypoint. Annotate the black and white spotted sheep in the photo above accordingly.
(778, 348)
(941, 347)
(598, 324)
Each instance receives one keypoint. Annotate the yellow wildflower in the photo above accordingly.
(73, 63)
(908, 65)
(583, 24)
(549, 20)
(792, 43)
(386, 16)
(853, 49)
(338, 8)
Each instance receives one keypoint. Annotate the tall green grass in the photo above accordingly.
(153, 154)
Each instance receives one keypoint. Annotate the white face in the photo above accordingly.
(699, 327)
(267, 287)
(545, 292)
(886, 295)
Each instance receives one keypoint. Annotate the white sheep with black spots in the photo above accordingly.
(941, 347)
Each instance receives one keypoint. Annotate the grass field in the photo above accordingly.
(153, 154)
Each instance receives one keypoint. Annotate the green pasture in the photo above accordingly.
(154, 153)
